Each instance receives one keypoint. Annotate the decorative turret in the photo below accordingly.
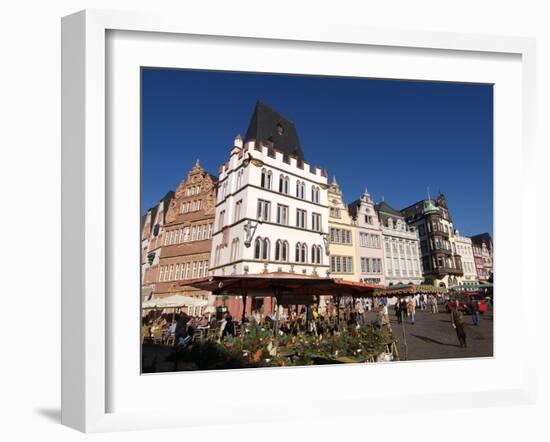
(430, 208)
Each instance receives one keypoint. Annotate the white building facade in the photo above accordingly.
(368, 241)
(463, 246)
(271, 210)
(403, 264)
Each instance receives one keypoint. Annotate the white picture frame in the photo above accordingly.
(85, 213)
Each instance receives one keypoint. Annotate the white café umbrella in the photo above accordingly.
(174, 301)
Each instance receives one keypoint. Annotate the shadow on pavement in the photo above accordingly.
(435, 341)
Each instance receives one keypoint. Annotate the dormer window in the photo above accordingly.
(280, 129)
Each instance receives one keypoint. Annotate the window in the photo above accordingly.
(203, 236)
(283, 184)
(363, 239)
(239, 178)
(199, 205)
(364, 265)
(341, 264)
(234, 249)
(187, 268)
(281, 251)
(205, 268)
(170, 273)
(199, 270)
(238, 206)
(334, 212)
(315, 254)
(266, 179)
(301, 218)
(209, 234)
(194, 270)
(261, 248)
(389, 266)
(264, 210)
(161, 273)
(221, 220)
(315, 194)
(316, 222)
(177, 237)
(368, 219)
(177, 272)
(193, 233)
(282, 214)
(304, 253)
(340, 236)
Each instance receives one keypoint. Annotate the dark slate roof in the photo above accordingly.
(386, 208)
(265, 126)
(482, 238)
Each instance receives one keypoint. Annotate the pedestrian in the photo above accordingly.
(411, 307)
(457, 321)
(475, 311)
(360, 312)
(397, 309)
(403, 309)
(228, 329)
(383, 317)
(181, 329)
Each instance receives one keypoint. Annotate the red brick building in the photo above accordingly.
(182, 248)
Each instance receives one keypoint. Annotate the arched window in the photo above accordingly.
(258, 248)
(269, 179)
(303, 190)
(239, 178)
(264, 179)
(278, 246)
(285, 252)
(286, 186)
(304, 253)
(265, 251)
(298, 189)
(315, 194)
(314, 254)
(298, 249)
(281, 183)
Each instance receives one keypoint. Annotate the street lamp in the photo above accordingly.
(250, 230)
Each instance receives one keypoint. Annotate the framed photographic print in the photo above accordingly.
(291, 208)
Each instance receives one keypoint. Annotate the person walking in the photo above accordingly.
(475, 311)
(360, 312)
(411, 307)
(397, 309)
(435, 307)
(457, 321)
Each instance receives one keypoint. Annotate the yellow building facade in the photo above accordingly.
(342, 237)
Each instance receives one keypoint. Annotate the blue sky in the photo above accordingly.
(395, 137)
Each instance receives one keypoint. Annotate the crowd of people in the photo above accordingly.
(327, 317)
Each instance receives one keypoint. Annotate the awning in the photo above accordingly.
(266, 284)
(473, 286)
(174, 301)
(407, 289)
